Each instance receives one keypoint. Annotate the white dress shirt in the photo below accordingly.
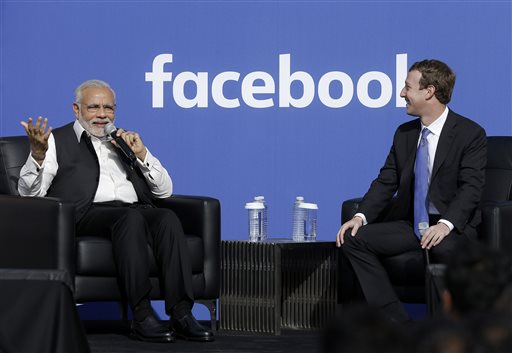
(433, 139)
(35, 179)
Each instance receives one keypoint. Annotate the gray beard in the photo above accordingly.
(96, 132)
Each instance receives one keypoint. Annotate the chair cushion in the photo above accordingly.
(94, 256)
(14, 151)
(498, 172)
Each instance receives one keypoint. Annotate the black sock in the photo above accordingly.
(142, 310)
(182, 309)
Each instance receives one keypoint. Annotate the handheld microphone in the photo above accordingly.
(111, 130)
(423, 226)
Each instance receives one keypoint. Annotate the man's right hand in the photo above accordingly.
(38, 136)
(354, 224)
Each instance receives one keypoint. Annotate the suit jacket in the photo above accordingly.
(457, 179)
(79, 172)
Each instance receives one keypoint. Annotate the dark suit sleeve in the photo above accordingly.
(383, 187)
(462, 205)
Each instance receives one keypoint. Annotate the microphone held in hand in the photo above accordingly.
(111, 130)
(423, 226)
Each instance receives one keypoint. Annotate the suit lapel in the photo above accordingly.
(445, 142)
(412, 146)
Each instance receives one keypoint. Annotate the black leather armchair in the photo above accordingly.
(39, 233)
(407, 271)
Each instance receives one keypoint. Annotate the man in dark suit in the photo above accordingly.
(435, 171)
(113, 195)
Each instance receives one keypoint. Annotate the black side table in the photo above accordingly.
(275, 284)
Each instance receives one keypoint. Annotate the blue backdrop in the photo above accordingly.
(273, 98)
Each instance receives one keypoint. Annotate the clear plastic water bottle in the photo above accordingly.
(298, 219)
(310, 217)
(261, 199)
(255, 212)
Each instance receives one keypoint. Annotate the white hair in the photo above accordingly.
(91, 83)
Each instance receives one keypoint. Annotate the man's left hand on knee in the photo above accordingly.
(434, 235)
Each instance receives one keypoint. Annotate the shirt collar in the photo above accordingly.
(79, 130)
(436, 127)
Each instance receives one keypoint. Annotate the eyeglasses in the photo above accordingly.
(94, 108)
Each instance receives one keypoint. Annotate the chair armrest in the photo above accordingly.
(496, 227)
(37, 275)
(37, 233)
(349, 208)
(199, 215)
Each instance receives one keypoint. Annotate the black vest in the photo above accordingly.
(79, 172)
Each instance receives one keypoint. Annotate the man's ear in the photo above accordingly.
(76, 109)
(431, 92)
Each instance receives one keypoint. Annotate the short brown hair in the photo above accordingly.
(436, 73)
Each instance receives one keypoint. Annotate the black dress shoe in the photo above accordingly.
(151, 330)
(188, 328)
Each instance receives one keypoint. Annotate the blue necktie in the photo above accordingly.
(421, 185)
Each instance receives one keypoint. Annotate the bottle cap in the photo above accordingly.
(309, 206)
(299, 198)
(254, 206)
(259, 198)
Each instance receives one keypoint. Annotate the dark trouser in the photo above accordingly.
(388, 239)
(131, 229)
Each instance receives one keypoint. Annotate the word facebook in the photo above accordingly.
(258, 85)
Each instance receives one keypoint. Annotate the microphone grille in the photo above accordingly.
(110, 128)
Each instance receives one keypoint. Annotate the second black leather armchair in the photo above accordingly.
(407, 271)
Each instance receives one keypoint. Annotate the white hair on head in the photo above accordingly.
(91, 83)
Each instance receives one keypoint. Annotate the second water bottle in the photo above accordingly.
(304, 220)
